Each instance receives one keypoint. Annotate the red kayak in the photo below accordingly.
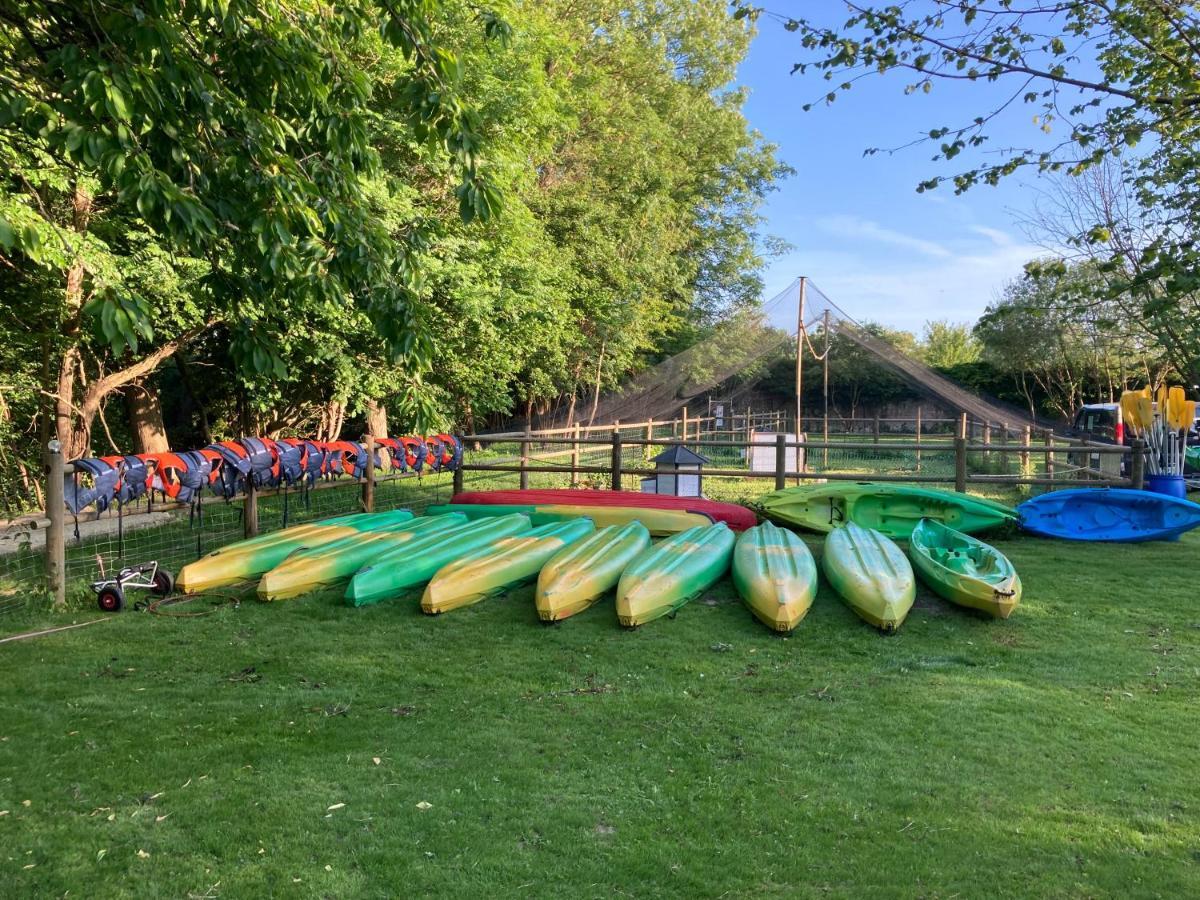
(736, 517)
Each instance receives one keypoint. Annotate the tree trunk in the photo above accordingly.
(596, 394)
(145, 415)
(185, 376)
(377, 423)
(76, 438)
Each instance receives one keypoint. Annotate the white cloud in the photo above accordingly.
(907, 292)
(864, 229)
(997, 237)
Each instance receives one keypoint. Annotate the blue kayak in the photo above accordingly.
(1108, 514)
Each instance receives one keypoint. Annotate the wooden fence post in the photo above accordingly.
(960, 464)
(457, 478)
(780, 462)
(987, 441)
(1048, 437)
(368, 486)
(575, 458)
(962, 426)
(877, 427)
(749, 429)
(1026, 437)
(648, 450)
(685, 423)
(616, 459)
(1004, 446)
(525, 461)
(56, 533)
(1137, 464)
(250, 510)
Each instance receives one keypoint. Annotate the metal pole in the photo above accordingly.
(800, 357)
(825, 410)
(56, 511)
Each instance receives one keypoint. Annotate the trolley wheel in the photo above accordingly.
(164, 583)
(110, 599)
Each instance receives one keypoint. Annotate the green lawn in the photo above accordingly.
(308, 749)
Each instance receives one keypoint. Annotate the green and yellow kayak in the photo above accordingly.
(332, 563)
(396, 572)
(893, 509)
(506, 563)
(250, 558)
(776, 575)
(581, 574)
(658, 522)
(871, 573)
(674, 571)
(964, 570)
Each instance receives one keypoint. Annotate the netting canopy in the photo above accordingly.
(741, 348)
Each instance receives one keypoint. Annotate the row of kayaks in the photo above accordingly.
(461, 561)
(1081, 514)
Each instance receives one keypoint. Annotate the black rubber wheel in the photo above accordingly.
(164, 583)
(110, 599)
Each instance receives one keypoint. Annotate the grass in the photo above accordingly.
(291, 749)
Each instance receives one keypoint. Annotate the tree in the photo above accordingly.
(1103, 194)
(1116, 79)
(234, 135)
(947, 344)
(1064, 346)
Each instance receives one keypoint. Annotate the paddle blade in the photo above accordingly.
(1145, 412)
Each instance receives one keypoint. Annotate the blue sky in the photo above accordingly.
(860, 231)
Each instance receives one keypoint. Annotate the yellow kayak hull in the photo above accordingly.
(506, 563)
(871, 573)
(582, 573)
(331, 564)
(249, 559)
(776, 575)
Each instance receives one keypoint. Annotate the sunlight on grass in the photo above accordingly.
(695, 756)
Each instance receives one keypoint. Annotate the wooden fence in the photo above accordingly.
(562, 451)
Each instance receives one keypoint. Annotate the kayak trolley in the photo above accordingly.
(110, 592)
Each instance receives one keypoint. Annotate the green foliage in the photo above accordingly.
(318, 206)
(948, 344)
(1066, 341)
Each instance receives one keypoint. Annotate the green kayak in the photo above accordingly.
(964, 570)
(893, 509)
(510, 561)
(672, 572)
(871, 573)
(1192, 456)
(391, 574)
(776, 575)
(335, 562)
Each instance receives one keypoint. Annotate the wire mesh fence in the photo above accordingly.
(174, 535)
